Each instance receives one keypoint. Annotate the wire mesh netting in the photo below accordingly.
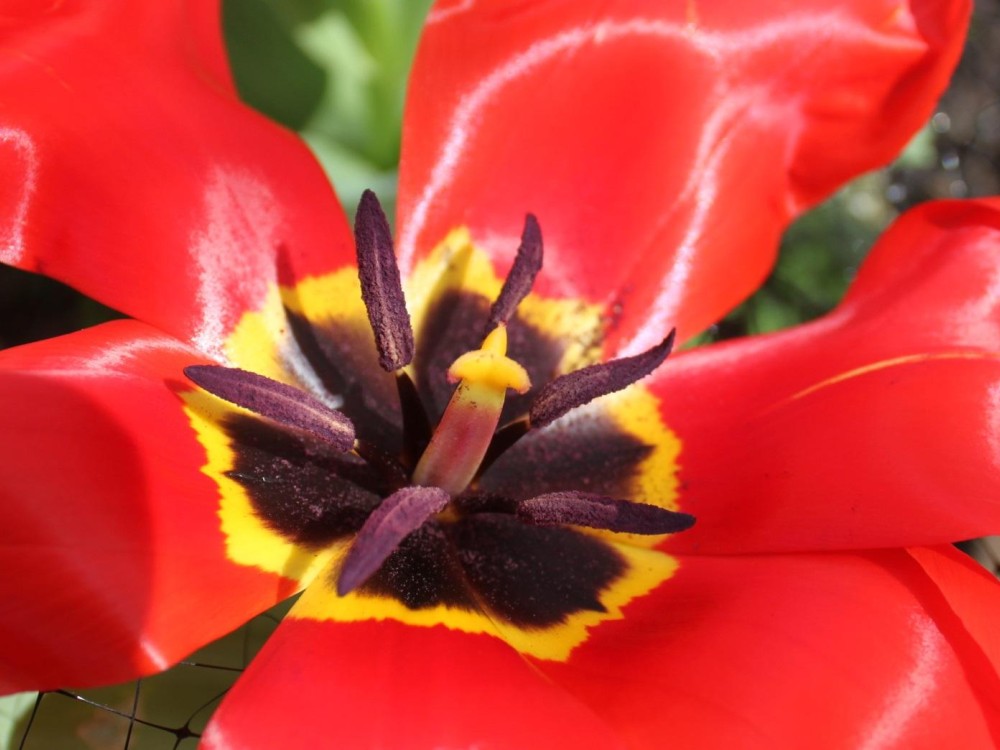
(167, 711)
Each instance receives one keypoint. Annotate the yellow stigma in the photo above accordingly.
(490, 366)
(463, 435)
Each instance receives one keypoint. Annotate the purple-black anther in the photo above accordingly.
(381, 288)
(399, 515)
(599, 512)
(574, 389)
(527, 264)
(282, 403)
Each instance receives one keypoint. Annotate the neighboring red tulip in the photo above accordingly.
(451, 597)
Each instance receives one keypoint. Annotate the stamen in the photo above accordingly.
(417, 428)
(282, 403)
(399, 515)
(574, 389)
(381, 288)
(527, 264)
(599, 512)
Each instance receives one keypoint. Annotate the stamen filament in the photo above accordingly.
(416, 425)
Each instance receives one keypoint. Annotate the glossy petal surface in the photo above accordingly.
(662, 146)
(133, 173)
(384, 684)
(971, 593)
(114, 564)
(792, 651)
(874, 427)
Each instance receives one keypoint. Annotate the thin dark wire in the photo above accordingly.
(31, 719)
(180, 733)
(135, 710)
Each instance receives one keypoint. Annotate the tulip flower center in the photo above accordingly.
(435, 515)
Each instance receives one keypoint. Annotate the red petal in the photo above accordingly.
(389, 685)
(876, 426)
(971, 592)
(133, 172)
(790, 651)
(662, 146)
(113, 561)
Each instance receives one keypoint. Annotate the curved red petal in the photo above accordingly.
(971, 592)
(385, 684)
(133, 172)
(875, 426)
(900, 454)
(662, 146)
(113, 561)
(819, 651)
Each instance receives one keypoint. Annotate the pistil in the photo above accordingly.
(453, 456)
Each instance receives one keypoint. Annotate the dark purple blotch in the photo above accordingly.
(527, 264)
(399, 515)
(381, 288)
(599, 512)
(574, 389)
(282, 403)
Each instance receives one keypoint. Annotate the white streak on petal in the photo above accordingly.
(914, 691)
(979, 316)
(19, 144)
(155, 656)
(234, 253)
(730, 51)
(439, 13)
(114, 360)
(993, 422)
(214, 739)
(472, 103)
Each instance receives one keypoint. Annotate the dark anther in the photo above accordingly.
(380, 286)
(282, 403)
(417, 428)
(527, 264)
(399, 515)
(578, 388)
(598, 512)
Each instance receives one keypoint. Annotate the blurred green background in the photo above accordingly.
(335, 70)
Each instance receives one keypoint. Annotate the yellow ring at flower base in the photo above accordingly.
(248, 539)
(260, 342)
(647, 569)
